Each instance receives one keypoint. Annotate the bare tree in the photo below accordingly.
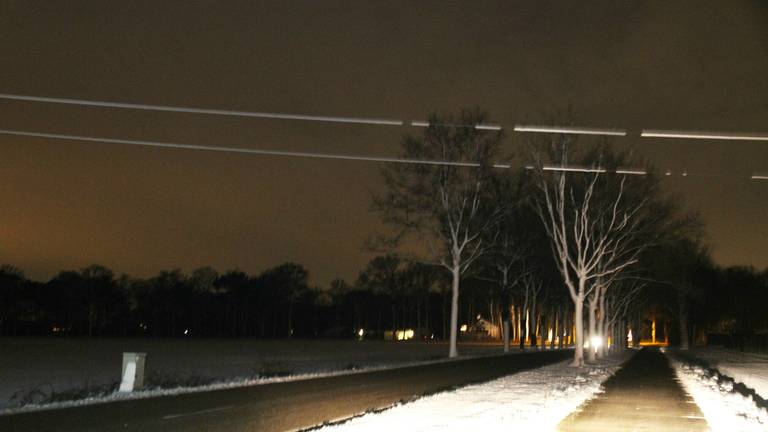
(512, 243)
(680, 257)
(615, 305)
(530, 291)
(382, 277)
(442, 203)
(591, 237)
(503, 263)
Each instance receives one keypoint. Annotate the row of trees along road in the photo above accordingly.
(478, 219)
(539, 251)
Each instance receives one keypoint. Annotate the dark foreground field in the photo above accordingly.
(279, 406)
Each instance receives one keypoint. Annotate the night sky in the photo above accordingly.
(698, 65)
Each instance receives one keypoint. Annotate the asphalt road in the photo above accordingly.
(644, 395)
(279, 406)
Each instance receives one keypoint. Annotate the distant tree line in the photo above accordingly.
(94, 302)
(714, 305)
(728, 304)
(278, 303)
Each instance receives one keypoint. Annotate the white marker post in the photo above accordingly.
(133, 371)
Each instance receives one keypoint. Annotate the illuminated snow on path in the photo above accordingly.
(724, 409)
(538, 398)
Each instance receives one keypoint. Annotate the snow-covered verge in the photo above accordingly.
(39, 373)
(531, 400)
(749, 369)
(724, 408)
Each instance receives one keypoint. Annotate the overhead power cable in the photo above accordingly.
(167, 145)
(554, 129)
(569, 130)
(649, 133)
(221, 112)
(738, 136)
(384, 159)
(480, 126)
(573, 169)
(184, 146)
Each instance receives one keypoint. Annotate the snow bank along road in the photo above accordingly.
(532, 400)
(279, 406)
(728, 405)
(750, 369)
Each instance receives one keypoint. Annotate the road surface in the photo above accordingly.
(279, 406)
(643, 395)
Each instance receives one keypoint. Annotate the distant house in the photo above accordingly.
(408, 334)
(481, 329)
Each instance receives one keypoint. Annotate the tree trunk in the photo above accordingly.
(683, 317)
(523, 327)
(379, 325)
(534, 326)
(516, 324)
(290, 319)
(492, 317)
(578, 354)
(274, 323)
(602, 325)
(554, 330)
(404, 317)
(621, 335)
(394, 324)
(506, 335)
(445, 316)
(563, 331)
(418, 316)
(592, 309)
(453, 350)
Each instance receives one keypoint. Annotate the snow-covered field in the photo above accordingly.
(44, 370)
(534, 400)
(724, 409)
(746, 368)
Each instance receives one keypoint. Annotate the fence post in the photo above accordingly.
(133, 371)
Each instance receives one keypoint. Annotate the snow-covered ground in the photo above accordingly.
(44, 370)
(724, 409)
(534, 400)
(747, 368)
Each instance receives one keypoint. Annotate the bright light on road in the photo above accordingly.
(597, 342)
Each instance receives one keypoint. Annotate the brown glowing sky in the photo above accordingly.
(685, 65)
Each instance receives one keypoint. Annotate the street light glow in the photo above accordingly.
(597, 342)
